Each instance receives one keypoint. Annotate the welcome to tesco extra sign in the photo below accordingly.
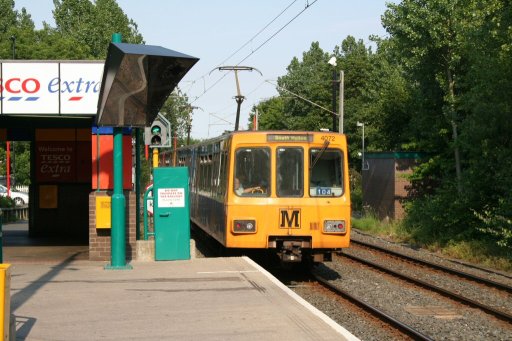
(58, 88)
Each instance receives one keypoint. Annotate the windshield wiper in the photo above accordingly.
(324, 147)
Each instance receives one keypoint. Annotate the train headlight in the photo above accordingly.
(334, 226)
(244, 226)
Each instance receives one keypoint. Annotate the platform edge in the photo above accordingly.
(333, 324)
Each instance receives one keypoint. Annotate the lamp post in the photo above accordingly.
(342, 100)
(10, 163)
(13, 39)
(333, 62)
(364, 166)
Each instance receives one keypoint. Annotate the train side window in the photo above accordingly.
(290, 172)
(326, 173)
(252, 172)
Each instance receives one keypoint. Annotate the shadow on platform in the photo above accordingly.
(18, 247)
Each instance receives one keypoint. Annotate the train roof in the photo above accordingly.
(275, 133)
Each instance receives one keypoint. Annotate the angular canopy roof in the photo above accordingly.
(137, 79)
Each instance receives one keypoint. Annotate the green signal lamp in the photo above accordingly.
(156, 130)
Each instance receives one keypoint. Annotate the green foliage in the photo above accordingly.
(310, 78)
(370, 223)
(91, 24)
(462, 104)
(271, 114)
(482, 252)
(179, 112)
(6, 202)
(478, 251)
(21, 158)
(375, 93)
(356, 192)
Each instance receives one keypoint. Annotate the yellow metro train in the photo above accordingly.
(283, 191)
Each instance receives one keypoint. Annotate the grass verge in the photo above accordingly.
(480, 252)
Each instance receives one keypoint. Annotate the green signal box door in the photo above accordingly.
(171, 213)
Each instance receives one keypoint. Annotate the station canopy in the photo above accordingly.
(137, 79)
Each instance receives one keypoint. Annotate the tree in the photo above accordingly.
(460, 106)
(8, 18)
(92, 24)
(178, 111)
(21, 155)
(311, 79)
(271, 114)
(430, 35)
(489, 174)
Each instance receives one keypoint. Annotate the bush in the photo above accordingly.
(6, 202)
(444, 223)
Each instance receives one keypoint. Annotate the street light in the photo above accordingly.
(364, 165)
(333, 62)
(8, 143)
(13, 39)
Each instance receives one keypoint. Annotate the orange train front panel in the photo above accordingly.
(327, 224)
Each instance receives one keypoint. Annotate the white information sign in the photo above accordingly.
(171, 197)
(80, 88)
(50, 88)
(24, 88)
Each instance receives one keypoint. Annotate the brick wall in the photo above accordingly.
(99, 239)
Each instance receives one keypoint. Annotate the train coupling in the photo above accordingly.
(291, 251)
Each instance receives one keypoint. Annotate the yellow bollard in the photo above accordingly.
(155, 157)
(5, 300)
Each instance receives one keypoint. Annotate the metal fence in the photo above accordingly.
(21, 188)
(14, 214)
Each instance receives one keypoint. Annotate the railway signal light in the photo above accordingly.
(156, 135)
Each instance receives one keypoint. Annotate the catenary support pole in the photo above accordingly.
(342, 99)
(118, 230)
(334, 89)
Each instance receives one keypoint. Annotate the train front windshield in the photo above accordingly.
(326, 172)
(253, 167)
(252, 172)
(290, 172)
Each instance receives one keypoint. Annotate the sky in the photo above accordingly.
(214, 30)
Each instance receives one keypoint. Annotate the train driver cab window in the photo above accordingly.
(290, 172)
(252, 172)
(325, 173)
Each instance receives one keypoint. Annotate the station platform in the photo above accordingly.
(56, 294)
(199, 299)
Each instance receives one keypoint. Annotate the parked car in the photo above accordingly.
(20, 198)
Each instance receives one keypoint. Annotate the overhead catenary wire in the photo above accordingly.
(257, 34)
(246, 43)
(223, 109)
(308, 5)
(303, 98)
(277, 32)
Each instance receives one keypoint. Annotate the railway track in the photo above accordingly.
(461, 274)
(400, 326)
(447, 293)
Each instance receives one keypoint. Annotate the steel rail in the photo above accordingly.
(490, 310)
(462, 274)
(416, 335)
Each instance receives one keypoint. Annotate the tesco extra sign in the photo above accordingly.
(50, 87)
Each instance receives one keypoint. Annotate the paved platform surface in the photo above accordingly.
(199, 299)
